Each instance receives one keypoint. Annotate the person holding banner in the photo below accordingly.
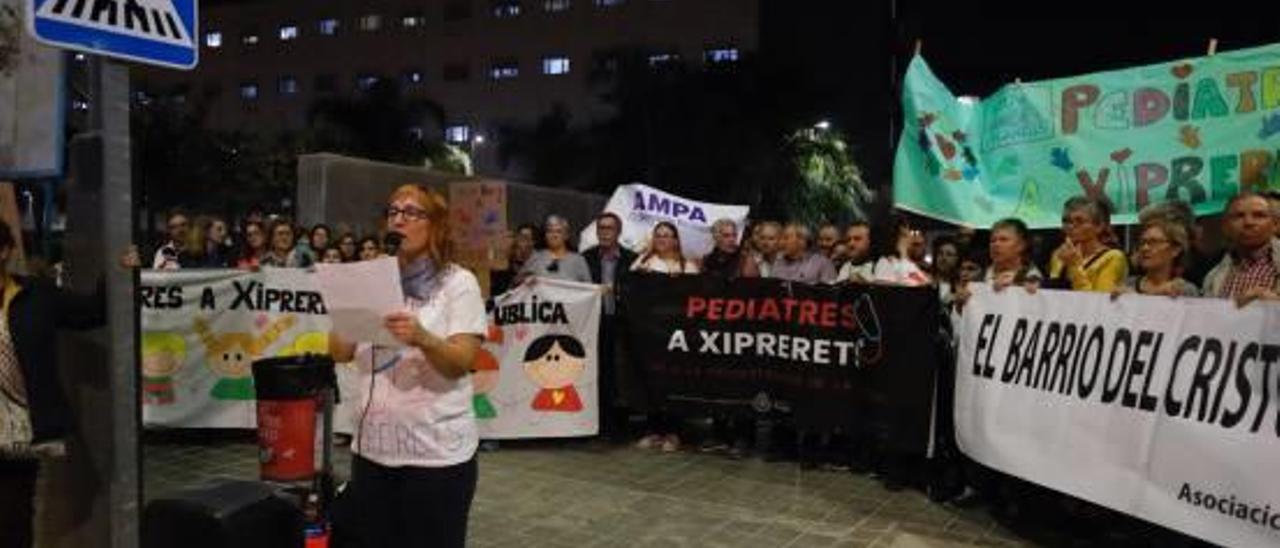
(1010, 253)
(858, 265)
(283, 252)
(726, 259)
(347, 244)
(1084, 261)
(796, 263)
(608, 262)
(413, 470)
(1162, 252)
(664, 255)
(1251, 269)
(903, 264)
(370, 249)
(764, 240)
(557, 260)
(255, 246)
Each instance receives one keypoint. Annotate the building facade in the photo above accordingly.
(263, 63)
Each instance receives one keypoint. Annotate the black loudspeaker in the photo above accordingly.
(226, 514)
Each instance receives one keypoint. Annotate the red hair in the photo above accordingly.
(439, 239)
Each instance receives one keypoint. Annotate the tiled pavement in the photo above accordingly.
(573, 494)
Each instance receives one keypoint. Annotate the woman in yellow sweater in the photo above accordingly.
(1084, 261)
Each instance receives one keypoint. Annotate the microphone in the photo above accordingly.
(391, 243)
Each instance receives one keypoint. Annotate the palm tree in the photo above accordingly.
(828, 183)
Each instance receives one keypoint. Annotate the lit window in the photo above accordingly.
(249, 39)
(288, 32)
(722, 55)
(328, 27)
(249, 91)
(365, 81)
(506, 8)
(609, 3)
(213, 39)
(457, 134)
(555, 65)
(371, 22)
(413, 20)
(417, 133)
(80, 105)
(504, 70)
(657, 59)
(556, 5)
(413, 76)
(288, 85)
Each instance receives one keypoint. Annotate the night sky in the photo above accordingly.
(856, 51)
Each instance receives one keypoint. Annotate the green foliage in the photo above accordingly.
(828, 184)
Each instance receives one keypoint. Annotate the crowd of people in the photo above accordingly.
(208, 241)
(1168, 257)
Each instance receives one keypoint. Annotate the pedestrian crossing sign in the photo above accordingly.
(155, 32)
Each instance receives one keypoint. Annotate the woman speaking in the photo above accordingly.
(413, 471)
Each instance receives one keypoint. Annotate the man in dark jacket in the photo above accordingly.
(609, 263)
(34, 413)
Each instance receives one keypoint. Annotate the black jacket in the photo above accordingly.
(625, 258)
(35, 315)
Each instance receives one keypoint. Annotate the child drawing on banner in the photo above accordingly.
(554, 363)
(231, 355)
(162, 356)
(307, 343)
(484, 376)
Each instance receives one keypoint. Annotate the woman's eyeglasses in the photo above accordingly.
(410, 213)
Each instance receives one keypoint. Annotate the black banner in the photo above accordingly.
(856, 358)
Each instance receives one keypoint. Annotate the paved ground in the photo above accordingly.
(578, 495)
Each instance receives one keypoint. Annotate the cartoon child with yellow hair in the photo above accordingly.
(162, 356)
(231, 356)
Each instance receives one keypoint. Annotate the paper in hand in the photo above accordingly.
(359, 295)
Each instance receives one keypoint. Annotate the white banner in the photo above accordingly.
(641, 207)
(536, 377)
(1168, 410)
(31, 99)
(202, 330)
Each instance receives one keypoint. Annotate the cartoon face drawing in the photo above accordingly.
(231, 355)
(162, 356)
(555, 361)
(162, 353)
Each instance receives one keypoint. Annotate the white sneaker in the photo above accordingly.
(650, 441)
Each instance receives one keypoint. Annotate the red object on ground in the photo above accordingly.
(286, 439)
(318, 541)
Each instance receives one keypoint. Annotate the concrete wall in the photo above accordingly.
(336, 190)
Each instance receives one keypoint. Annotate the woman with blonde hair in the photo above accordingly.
(665, 255)
(1161, 255)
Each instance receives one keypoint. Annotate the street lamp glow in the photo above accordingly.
(823, 125)
(478, 140)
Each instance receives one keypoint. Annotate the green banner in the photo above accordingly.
(1198, 130)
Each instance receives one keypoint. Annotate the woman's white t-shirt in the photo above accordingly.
(419, 417)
